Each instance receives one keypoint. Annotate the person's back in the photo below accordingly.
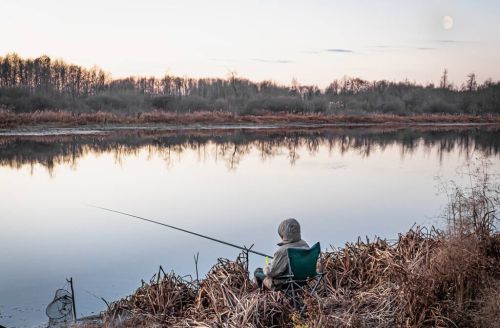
(289, 232)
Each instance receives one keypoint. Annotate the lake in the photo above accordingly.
(235, 184)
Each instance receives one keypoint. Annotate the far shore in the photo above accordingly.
(64, 119)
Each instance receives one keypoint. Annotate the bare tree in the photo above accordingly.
(471, 83)
(444, 84)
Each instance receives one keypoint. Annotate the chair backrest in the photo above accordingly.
(302, 261)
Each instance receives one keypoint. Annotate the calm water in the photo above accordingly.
(233, 185)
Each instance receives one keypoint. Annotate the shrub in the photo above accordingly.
(437, 106)
(39, 102)
(276, 104)
(317, 105)
(163, 102)
(105, 103)
(221, 104)
(193, 104)
(394, 106)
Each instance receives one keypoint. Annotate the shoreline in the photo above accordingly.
(97, 129)
(48, 130)
(223, 120)
(363, 278)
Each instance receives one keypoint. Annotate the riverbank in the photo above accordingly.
(426, 278)
(9, 119)
(422, 280)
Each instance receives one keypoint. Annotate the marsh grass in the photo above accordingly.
(10, 119)
(426, 278)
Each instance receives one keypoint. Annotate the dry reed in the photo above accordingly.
(426, 278)
(9, 119)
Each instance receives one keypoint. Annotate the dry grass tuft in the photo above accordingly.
(160, 300)
(225, 284)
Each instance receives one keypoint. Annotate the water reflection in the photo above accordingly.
(236, 185)
(231, 146)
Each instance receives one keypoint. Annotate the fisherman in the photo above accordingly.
(289, 232)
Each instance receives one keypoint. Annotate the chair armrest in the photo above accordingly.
(284, 276)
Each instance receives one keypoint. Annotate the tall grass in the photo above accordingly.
(472, 208)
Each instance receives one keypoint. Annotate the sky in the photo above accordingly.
(313, 41)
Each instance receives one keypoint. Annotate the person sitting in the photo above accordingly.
(289, 232)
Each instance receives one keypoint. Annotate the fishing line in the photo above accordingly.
(183, 230)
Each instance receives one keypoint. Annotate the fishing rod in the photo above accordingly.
(184, 230)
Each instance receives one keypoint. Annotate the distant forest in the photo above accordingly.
(39, 84)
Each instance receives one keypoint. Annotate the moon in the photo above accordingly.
(447, 22)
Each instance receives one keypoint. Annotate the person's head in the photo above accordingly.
(289, 231)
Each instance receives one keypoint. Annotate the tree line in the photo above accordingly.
(45, 84)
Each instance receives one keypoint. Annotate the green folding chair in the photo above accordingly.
(301, 269)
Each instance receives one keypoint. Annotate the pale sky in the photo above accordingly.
(313, 41)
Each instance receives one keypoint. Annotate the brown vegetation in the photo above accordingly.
(9, 119)
(424, 279)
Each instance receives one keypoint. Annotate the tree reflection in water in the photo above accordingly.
(231, 145)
